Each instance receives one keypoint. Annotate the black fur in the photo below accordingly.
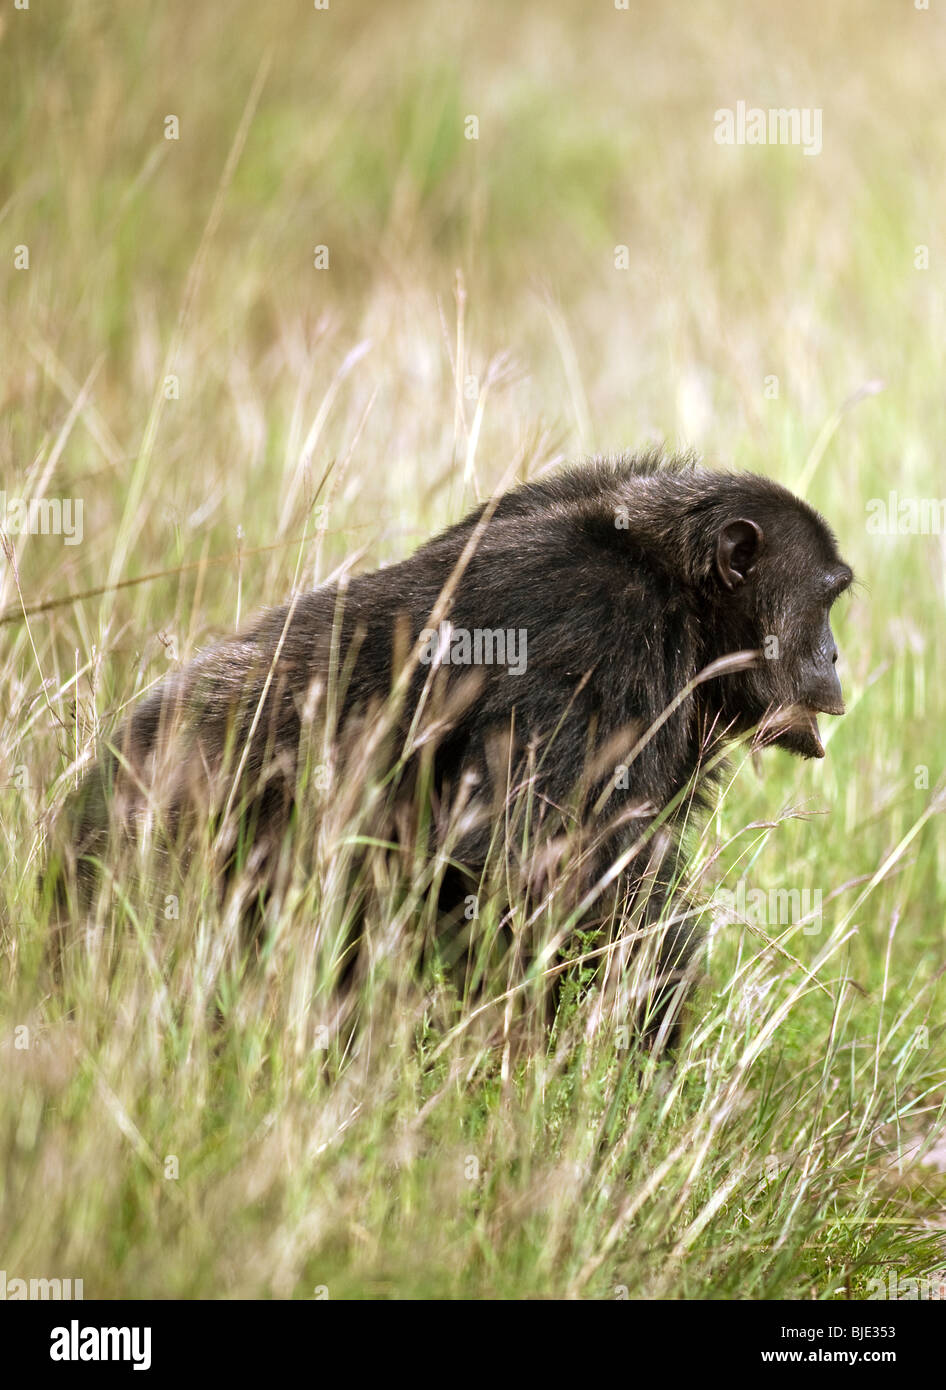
(617, 573)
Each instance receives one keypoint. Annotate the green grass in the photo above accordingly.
(779, 1157)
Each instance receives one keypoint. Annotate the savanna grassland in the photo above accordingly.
(306, 331)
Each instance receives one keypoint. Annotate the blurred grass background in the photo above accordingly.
(471, 324)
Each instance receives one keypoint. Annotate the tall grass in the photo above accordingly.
(183, 1115)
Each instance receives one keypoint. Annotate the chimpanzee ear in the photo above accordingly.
(738, 547)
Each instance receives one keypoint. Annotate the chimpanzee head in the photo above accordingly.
(777, 572)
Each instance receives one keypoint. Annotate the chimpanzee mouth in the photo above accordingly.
(795, 728)
(811, 729)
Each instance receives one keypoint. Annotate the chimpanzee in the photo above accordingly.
(555, 678)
